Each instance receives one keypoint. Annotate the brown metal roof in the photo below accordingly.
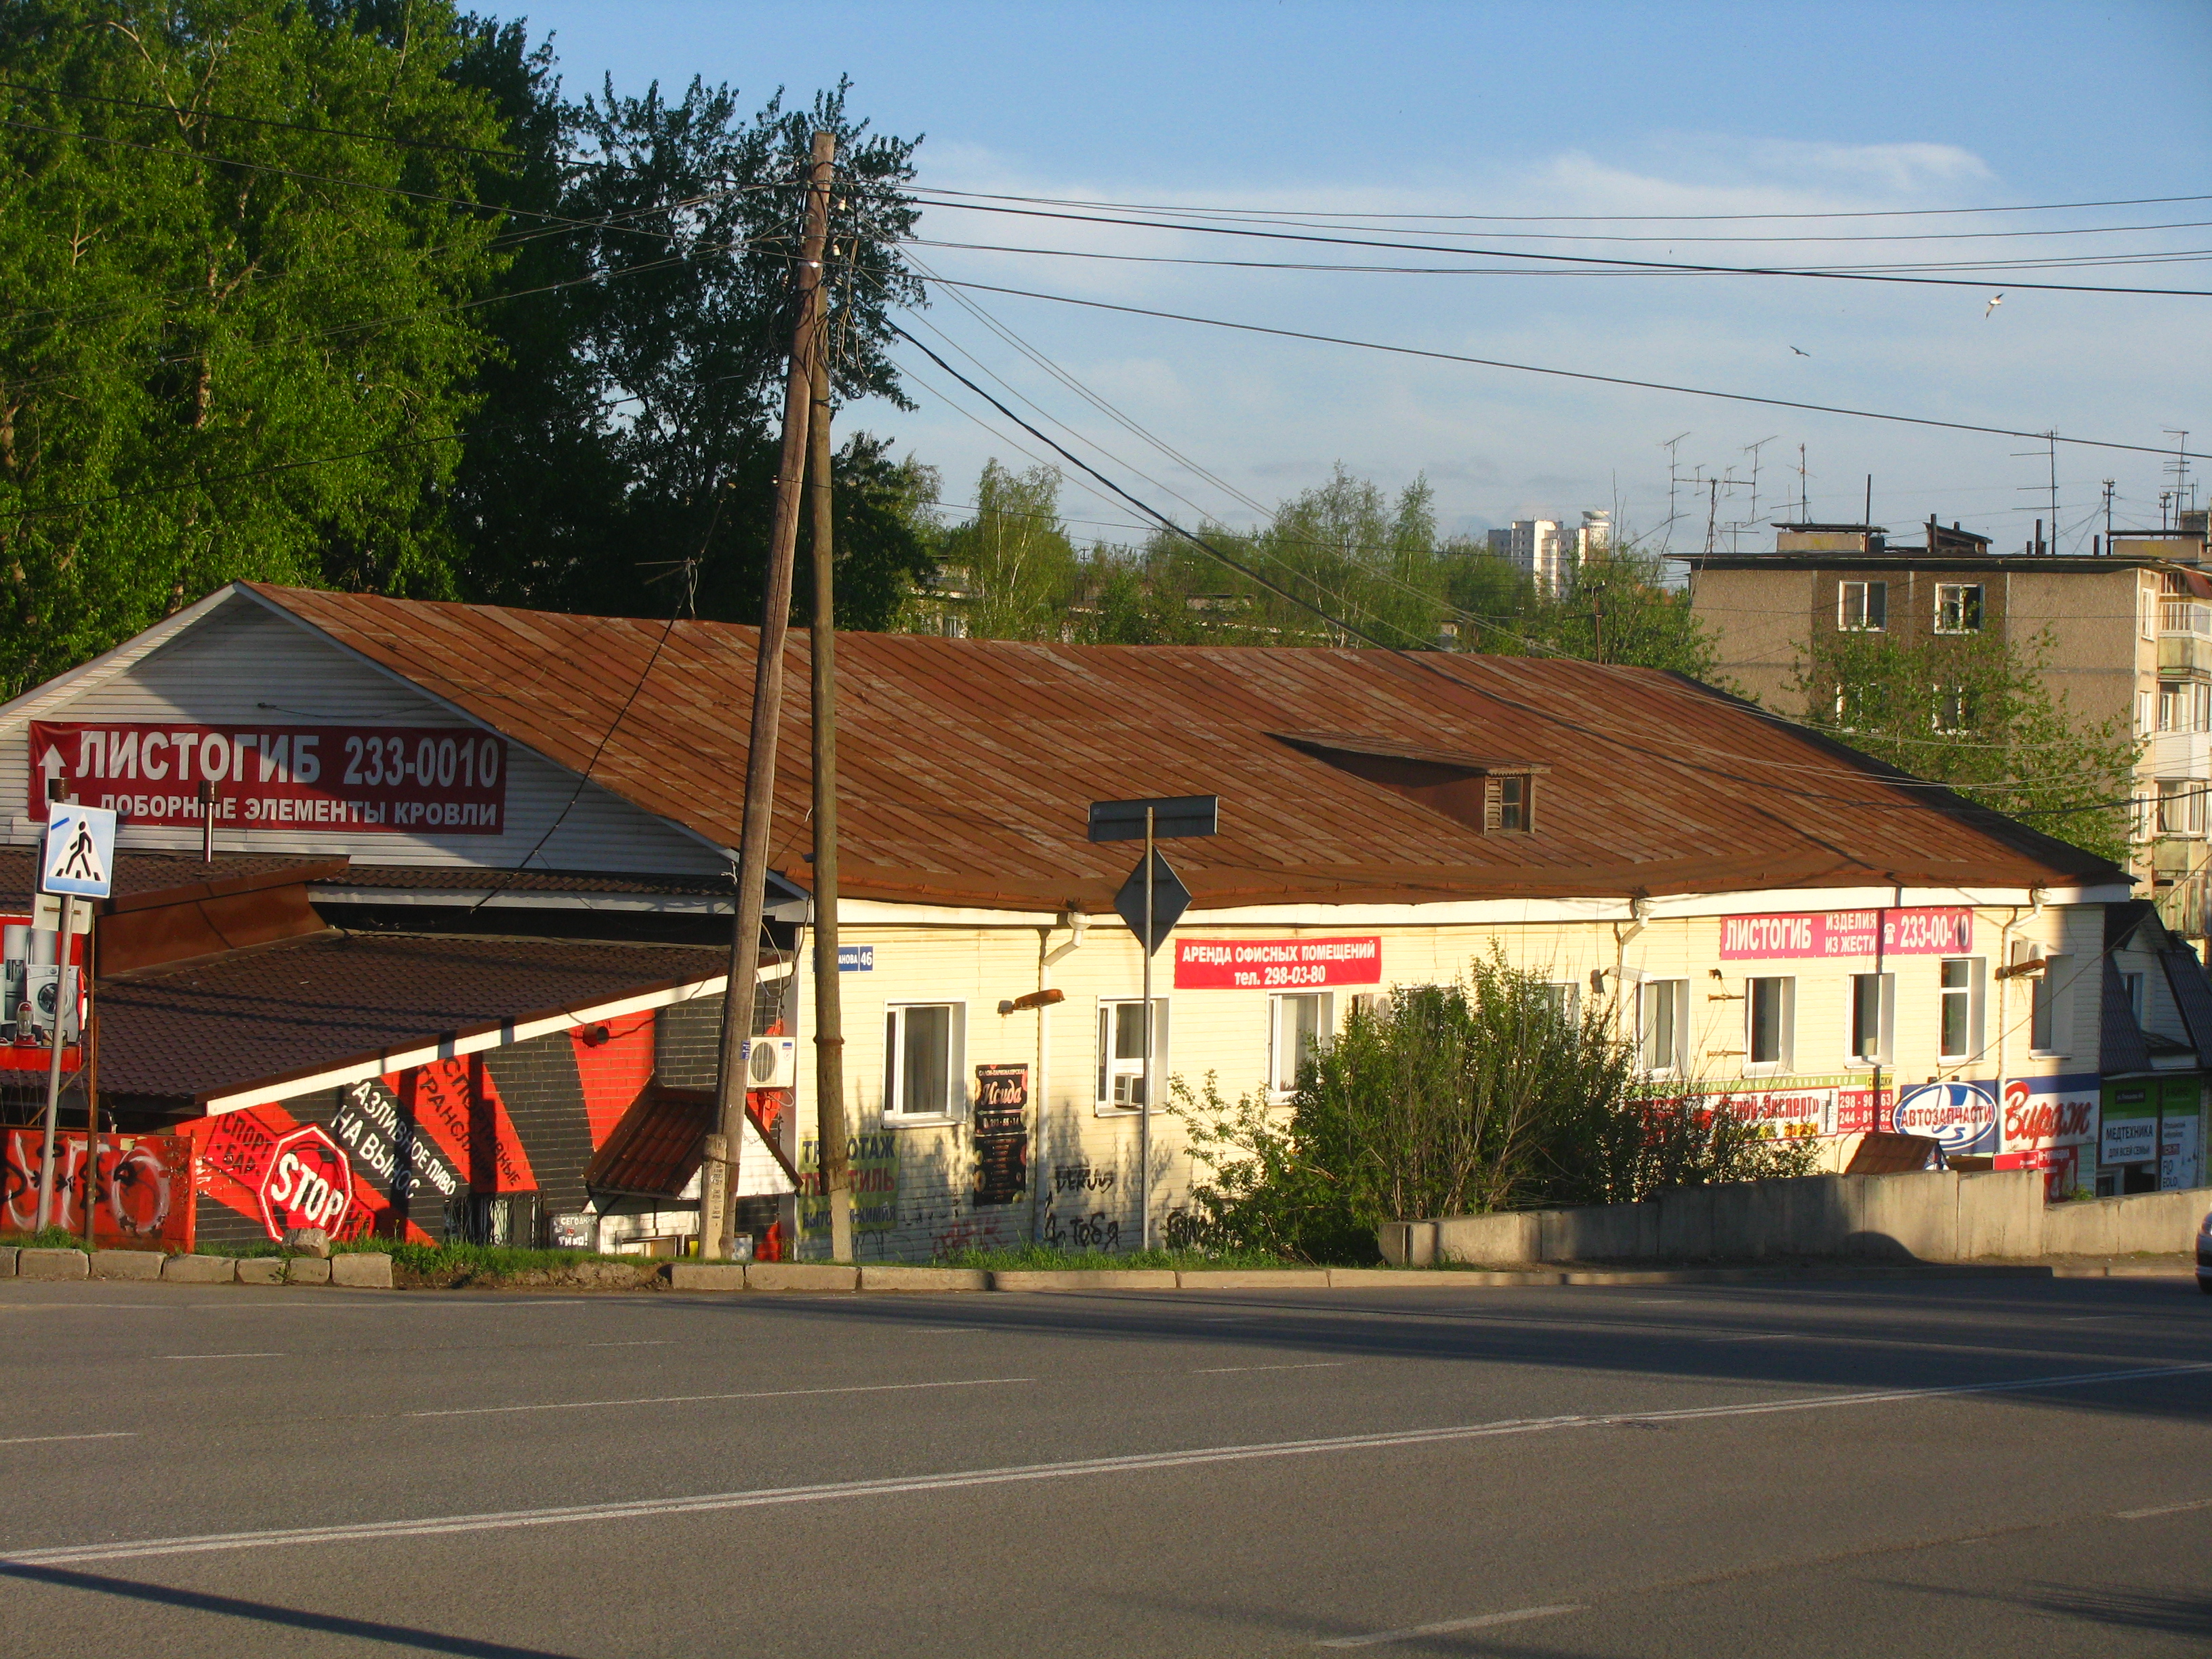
(298, 1007)
(966, 764)
(153, 878)
(657, 1146)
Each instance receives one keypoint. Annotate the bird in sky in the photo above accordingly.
(1801, 353)
(1995, 300)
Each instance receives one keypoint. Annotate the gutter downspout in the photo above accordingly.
(2004, 1002)
(1076, 923)
(1637, 907)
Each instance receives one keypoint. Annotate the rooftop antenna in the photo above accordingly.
(1804, 499)
(2051, 448)
(2108, 515)
(2179, 467)
(1673, 479)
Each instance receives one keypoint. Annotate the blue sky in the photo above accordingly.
(1563, 109)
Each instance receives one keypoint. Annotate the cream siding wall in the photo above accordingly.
(1083, 1162)
(247, 667)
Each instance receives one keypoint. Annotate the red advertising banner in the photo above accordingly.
(394, 778)
(142, 1191)
(1914, 932)
(1236, 964)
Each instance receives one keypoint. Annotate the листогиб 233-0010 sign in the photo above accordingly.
(405, 779)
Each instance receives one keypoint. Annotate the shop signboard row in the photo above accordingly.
(1857, 934)
(312, 779)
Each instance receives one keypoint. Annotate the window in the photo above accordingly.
(1768, 1005)
(1662, 1022)
(2180, 806)
(921, 1059)
(2146, 712)
(2133, 985)
(1954, 709)
(1961, 1012)
(2047, 1025)
(1565, 998)
(1509, 802)
(1121, 1052)
(1298, 1029)
(1874, 1013)
(2183, 706)
(1958, 607)
(1863, 606)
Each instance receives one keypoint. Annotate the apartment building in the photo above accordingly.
(2127, 633)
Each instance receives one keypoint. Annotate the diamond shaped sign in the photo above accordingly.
(1170, 898)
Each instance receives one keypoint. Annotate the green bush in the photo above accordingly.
(1452, 1100)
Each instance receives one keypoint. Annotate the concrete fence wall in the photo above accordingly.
(1926, 1216)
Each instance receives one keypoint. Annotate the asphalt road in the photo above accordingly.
(1949, 1466)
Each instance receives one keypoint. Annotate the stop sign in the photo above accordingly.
(308, 1183)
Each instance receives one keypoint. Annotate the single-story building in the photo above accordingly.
(1764, 912)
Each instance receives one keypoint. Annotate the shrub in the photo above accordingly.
(1450, 1100)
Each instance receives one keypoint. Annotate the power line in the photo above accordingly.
(1577, 259)
(1561, 373)
(1573, 218)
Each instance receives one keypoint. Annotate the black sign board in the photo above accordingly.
(1173, 817)
(1170, 898)
(1002, 1135)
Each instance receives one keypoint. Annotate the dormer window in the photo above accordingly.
(1496, 796)
(1511, 798)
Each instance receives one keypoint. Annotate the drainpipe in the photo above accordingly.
(1637, 907)
(2004, 964)
(1076, 922)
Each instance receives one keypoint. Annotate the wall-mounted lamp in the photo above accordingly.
(1043, 998)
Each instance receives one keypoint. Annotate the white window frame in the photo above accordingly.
(2181, 807)
(896, 1113)
(1976, 979)
(1885, 1020)
(1845, 592)
(1647, 991)
(1980, 590)
(1565, 996)
(2050, 1009)
(1112, 1067)
(1324, 1029)
(1781, 1062)
(2136, 987)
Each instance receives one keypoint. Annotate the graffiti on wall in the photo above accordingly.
(142, 1190)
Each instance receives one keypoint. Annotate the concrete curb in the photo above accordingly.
(307, 1270)
(200, 1270)
(800, 1276)
(873, 1278)
(1108, 1279)
(126, 1264)
(707, 1275)
(361, 1270)
(256, 1269)
(8, 1261)
(52, 1264)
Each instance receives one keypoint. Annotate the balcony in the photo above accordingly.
(2185, 637)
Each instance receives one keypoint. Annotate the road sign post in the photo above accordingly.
(1153, 888)
(77, 860)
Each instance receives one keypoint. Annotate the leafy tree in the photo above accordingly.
(230, 349)
(1976, 711)
(633, 405)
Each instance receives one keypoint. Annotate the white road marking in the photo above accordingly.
(694, 1399)
(219, 1356)
(43, 1439)
(957, 1479)
(639, 1342)
(1480, 1621)
(2168, 1509)
(1303, 1366)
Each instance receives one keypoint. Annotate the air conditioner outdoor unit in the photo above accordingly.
(771, 1063)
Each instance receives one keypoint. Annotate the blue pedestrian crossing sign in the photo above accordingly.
(79, 856)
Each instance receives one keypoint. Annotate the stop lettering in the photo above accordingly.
(308, 1183)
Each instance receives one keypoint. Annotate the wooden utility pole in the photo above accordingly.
(830, 1131)
(717, 1232)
